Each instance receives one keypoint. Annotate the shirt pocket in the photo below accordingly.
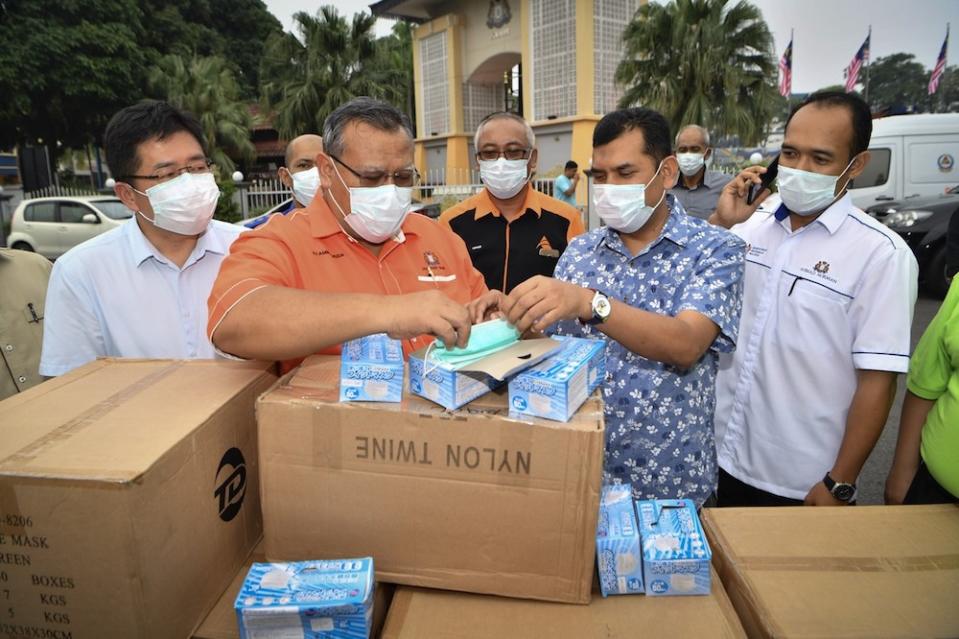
(813, 318)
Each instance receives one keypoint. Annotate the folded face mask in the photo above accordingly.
(485, 339)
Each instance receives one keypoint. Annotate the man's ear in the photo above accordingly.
(708, 154)
(533, 158)
(285, 177)
(670, 172)
(324, 165)
(125, 192)
(859, 164)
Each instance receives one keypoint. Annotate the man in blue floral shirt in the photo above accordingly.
(664, 290)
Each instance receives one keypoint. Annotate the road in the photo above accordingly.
(873, 476)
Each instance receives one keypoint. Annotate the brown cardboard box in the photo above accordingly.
(221, 622)
(863, 571)
(128, 497)
(469, 500)
(418, 613)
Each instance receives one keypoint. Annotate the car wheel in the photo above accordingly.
(22, 246)
(934, 279)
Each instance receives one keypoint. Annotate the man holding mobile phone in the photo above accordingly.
(827, 312)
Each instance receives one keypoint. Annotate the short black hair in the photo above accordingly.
(858, 110)
(654, 126)
(571, 165)
(378, 114)
(132, 126)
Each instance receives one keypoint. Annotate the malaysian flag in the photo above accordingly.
(940, 66)
(852, 71)
(786, 69)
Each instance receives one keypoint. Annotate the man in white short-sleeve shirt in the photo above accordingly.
(825, 329)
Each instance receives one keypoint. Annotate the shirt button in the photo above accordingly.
(21, 379)
(8, 347)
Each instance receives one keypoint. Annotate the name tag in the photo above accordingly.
(549, 253)
(436, 278)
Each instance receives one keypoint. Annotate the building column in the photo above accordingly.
(457, 145)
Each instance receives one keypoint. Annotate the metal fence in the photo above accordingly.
(55, 190)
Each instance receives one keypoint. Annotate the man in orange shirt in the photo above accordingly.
(512, 231)
(354, 262)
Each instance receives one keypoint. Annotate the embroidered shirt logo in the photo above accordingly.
(822, 267)
(546, 249)
(431, 260)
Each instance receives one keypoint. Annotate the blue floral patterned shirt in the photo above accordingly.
(659, 419)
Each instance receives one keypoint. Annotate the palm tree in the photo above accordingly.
(707, 62)
(302, 80)
(208, 88)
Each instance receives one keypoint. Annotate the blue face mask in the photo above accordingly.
(486, 338)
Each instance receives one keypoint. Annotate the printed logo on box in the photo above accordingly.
(230, 487)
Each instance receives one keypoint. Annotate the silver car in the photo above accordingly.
(51, 226)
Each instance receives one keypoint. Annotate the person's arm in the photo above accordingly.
(572, 185)
(905, 462)
(72, 335)
(278, 323)
(731, 207)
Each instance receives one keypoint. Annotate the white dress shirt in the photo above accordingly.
(819, 303)
(116, 295)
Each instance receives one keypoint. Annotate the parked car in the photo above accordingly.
(51, 226)
(922, 222)
(910, 156)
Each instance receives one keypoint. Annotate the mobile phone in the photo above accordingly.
(767, 178)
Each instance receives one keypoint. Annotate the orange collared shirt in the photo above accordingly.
(308, 249)
(509, 253)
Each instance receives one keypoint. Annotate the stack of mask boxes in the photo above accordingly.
(372, 370)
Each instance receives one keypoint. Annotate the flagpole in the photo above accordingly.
(942, 80)
(868, 64)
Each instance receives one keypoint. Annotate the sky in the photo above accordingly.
(827, 32)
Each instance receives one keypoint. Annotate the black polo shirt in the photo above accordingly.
(509, 253)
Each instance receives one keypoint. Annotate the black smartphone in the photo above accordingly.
(767, 178)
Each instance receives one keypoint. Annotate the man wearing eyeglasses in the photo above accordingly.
(354, 262)
(512, 231)
(140, 290)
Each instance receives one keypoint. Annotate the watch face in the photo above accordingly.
(843, 492)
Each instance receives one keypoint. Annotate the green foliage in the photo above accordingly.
(898, 80)
(304, 79)
(707, 62)
(208, 89)
(227, 210)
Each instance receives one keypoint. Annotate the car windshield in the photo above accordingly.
(113, 209)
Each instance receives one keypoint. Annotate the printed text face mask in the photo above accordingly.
(185, 204)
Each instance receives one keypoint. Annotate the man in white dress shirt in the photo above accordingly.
(140, 290)
(827, 310)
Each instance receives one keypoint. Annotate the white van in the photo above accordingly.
(912, 156)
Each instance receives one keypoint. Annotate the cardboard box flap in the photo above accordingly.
(519, 356)
(318, 379)
(113, 419)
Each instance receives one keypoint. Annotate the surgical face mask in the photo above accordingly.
(376, 213)
(806, 193)
(690, 163)
(305, 185)
(486, 338)
(183, 205)
(623, 206)
(504, 178)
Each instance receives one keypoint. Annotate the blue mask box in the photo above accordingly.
(556, 387)
(453, 386)
(372, 369)
(330, 599)
(676, 554)
(619, 557)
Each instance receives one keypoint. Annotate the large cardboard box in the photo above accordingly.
(469, 500)
(862, 571)
(417, 613)
(128, 497)
(221, 623)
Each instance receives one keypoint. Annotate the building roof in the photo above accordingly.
(418, 11)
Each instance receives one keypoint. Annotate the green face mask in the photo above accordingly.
(486, 338)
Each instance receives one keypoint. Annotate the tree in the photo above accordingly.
(207, 88)
(707, 62)
(947, 97)
(304, 79)
(898, 82)
(65, 68)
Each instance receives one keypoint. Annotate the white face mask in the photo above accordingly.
(183, 205)
(504, 178)
(623, 206)
(690, 163)
(806, 193)
(305, 185)
(376, 213)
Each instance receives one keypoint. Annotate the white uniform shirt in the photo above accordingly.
(116, 295)
(818, 304)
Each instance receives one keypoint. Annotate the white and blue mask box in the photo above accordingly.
(372, 370)
(556, 387)
(442, 383)
(619, 557)
(676, 555)
(330, 599)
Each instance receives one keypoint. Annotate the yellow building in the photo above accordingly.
(552, 60)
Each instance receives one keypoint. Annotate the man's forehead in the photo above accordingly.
(628, 148)
(815, 127)
(177, 147)
(502, 131)
(691, 137)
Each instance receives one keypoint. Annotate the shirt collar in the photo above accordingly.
(710, 180)
(832, 218)
(142, 249)
(678, 230)
(485, 205)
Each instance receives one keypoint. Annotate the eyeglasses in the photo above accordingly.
(402, 178)
(513, 153)
(196, 167)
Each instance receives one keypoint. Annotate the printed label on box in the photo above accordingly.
(556, 387)
(618, 553)
(676, 554)
(372, 370)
